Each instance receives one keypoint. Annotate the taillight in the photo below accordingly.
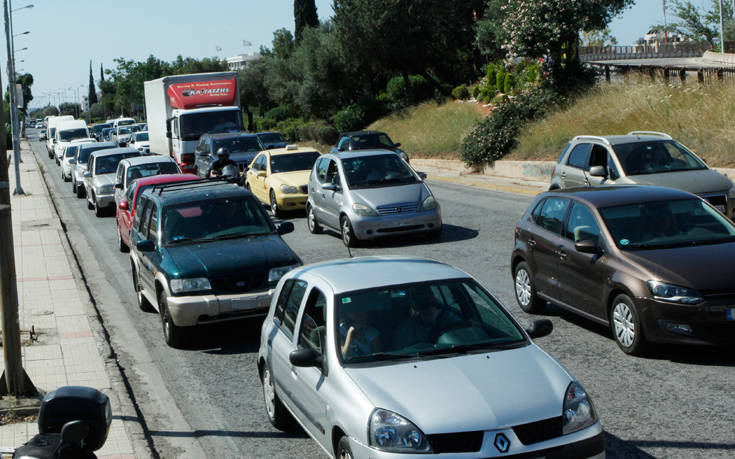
(553, 171)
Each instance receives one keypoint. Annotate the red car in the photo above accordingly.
(125, 210)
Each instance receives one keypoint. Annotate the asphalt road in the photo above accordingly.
(677, 402)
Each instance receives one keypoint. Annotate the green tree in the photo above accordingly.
(68, 108)
(102, 73)
(700, 25)
(97, 112)
(92, 95)
(490, 36)
(304, 12)
(25, 81)
(598, 38)
(50, 110)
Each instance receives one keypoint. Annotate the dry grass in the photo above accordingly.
(699, 116)
(429, 130)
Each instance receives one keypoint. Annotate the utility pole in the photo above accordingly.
(14, 380)
(13, 104)
(666, 27)
(722, 31)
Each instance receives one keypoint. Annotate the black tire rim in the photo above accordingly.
(274, 203)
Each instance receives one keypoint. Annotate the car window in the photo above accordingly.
(321, 170)
(598, 156)
(332, 173)
(537, 211)
(612, 168)
(293, 162)
(375, 171)
(343, 143)
(313, 321)
(119, 175)
(291, 308)
(552, 214)
(150, 169)
(656, 156)
(281, 302)
(582, 225)
(566, 148)
(580, 156)
(129, 196)
(153, 225)
(143, 224)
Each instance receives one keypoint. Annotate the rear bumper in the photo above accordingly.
(105, 200)
(203, 309)
(703, 324)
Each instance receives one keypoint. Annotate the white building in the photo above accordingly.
(240, 61)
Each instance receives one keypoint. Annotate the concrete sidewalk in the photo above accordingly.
(68, 347)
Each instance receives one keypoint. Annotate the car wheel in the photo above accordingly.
(274, 204)
(80, 190)
(343, 449)
(143, 303)
(348, 236)
(98, 211)
(278, 415)
(314, 227)
(626, 325)
(90, 204)
(526, 290)
(174, 335)
(121, 244)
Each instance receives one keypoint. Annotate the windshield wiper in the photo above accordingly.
(180, 239)
(379, 356)
(464, 348)
(235, 236)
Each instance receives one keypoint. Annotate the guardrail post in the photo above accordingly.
(607, 73)
(666, 74)
(683, 75)
(700, 75)
(720, 74)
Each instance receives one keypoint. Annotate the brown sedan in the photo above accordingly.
(655, 264)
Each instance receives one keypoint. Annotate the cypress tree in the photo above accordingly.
(92, 96)
(102, 73)
(304, 12)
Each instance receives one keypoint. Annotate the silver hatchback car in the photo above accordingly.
(368, 194)
(641, 158)
(387, 357)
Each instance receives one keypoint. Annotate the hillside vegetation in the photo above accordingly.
(699, 116)
(429, 130)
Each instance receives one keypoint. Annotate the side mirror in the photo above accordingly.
(587, 246)
(72, 161)
(285, 228)
(87, 174)
(330, 187)
(540, 328)
(168, 134)
(598, 171)
(119, 186)
(422, 175)
(305, 358)
(262, 173)
(145, 246)
(123, 205)
(397, 144)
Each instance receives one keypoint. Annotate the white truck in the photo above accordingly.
(180, 108)
(53, 121)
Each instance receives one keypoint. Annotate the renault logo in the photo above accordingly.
(502, 443)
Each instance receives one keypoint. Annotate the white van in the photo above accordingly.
(122, 122)
(66, 131)
(53, 121)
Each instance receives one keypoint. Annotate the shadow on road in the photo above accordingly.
(228, 433)
(237, 337)
(450, 233)
(618, 448)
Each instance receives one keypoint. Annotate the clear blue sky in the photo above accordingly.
(66, 34)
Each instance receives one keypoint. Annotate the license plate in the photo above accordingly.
(730, 314)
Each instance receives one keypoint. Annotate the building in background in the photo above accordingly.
(240, 61)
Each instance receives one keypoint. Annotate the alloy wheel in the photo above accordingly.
(523, 287)
(346, 232)
(624, 325)
(274, 203)
(269, 393)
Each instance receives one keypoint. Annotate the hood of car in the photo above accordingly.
(375, 197)
(230, 257)
(690, 266)
(295, 178)
(698, 181)
(469, 392)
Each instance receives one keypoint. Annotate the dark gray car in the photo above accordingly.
(243, 148)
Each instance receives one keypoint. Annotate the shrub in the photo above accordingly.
(508, 83)
(320, 132)
(475, 90)
(500, 80)
(398, 91)
(461, 92)
(494, 137)
(278, 114)
(350, 118)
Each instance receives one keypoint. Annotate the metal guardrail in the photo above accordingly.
(604, 53)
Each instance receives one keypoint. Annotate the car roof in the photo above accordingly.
(633, 137)
(354, 133)
(230, 135)
(362, 153)
(199, 192)
(148, 159)
(286, 151)
(165, 178)
(99, 145)
(113, 151)
(620, 195)
(350, 274)
(269, 132)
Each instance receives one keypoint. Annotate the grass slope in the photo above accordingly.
(699, 116)
(429, 130)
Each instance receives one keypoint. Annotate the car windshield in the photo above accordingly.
(215, 219)
(377, 171)
(271, 137)
(146, 170)
(108, 164)
(293, 162)
(667, 224)
(125, 122)
(656, 156)
(84, 153)
(195, 124)
(141, 136)
(124, 130)
(366, 141)
(71, 151)
(136, 128)
(418, 320)
(98, 128)
(238, 144)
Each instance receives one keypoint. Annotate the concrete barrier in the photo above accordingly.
(720, 58)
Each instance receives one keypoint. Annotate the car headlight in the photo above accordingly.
(195, 284)
(578, 411)
(429, 203)
(107, 189)
(674, 293)
(362, 210)
(275, 274)
(288, 189)
(391, 432)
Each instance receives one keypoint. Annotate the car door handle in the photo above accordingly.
(532, 243)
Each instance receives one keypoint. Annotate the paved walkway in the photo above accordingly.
(69, 348)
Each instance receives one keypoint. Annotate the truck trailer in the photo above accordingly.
(180, 108)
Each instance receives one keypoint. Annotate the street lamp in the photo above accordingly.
(22, 33)
(22, 8)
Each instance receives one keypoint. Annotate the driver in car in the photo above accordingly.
(428, 320)
(223, 160)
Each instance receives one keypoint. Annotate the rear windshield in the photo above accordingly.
(71, 151)
(141, 136)
(71, 134)
(84, 153)
(293, 162)
(656, 156)
(238, 144)
(271, 137)
(147, 170)
(108, 164)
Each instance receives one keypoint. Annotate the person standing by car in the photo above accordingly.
(223, 160)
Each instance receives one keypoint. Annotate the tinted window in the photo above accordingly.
(293, 302)
(580, 156)
(282, 299)
(582, 225)
(332, 172)
(84, 152)
(377, 171)
(147, 170)
(71, 134)
(552, 214)
(566, 148)
(143, 224)
(271, 137)
(238, 144)
(141, 137)
(71, 151)
(153, 225)
(366, 141)
(313, 322)
(293, 162)
(598, 156)
(656, 156)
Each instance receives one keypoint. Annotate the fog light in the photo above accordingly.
(682, 329)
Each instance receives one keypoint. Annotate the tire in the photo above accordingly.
(626, 325)
(274, 205)
(98, 211)
(121, 244)
(174, 335)
(343, 449)
(525, 290)
(143, 303)
(277, 414)
(348, 235)
(80, 190)
(312, 222)
(90, 204)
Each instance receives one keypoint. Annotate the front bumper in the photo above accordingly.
(417, 222)
(205, 309)
(586, 443)
(291, 201)
(704, 324)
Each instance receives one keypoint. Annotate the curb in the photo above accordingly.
(490, 187)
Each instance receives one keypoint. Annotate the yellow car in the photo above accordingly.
(280, 177)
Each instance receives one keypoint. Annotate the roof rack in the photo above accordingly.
(594, 137)
(171, 186)
(660, 134)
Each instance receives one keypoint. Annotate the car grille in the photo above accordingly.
(535, 432)
(394, 209)
(240, 284)
(304, 189)
(463, 442)
(719, 201)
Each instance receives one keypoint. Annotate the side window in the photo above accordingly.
(90, 166)
(313, 322)
(537, 211)
(552, 214)
(175, 122)
(321, 170)
(564, 152)
(582, 225)
(612, 168)
(281, 303)
(332, 174)
(292, 305)
(153, 226)
(139, 215)
(580, 156)
(120, 174)
(343, 143)
(598, 156)
(144, 219)
(129, 196)
(205, 147)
